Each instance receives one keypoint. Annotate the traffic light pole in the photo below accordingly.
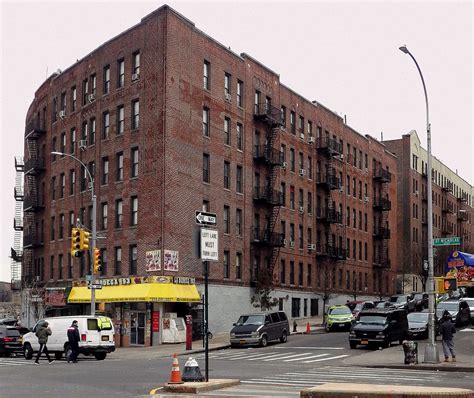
(94, 226)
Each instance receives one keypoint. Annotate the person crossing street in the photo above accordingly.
(447, 331)
(74, 338)
(43, 333)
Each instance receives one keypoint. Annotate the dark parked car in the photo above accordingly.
(379, 327)
(470, 303)
(403, 301)
(421, 301)
(10, 341)
(459, 310)
(359, 306)
(383, 304)
(418, 324)
(259, 329)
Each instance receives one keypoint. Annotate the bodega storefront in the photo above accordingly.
(137, 304)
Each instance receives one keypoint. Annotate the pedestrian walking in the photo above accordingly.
(74, 338)
(447, 330)
(42, 333)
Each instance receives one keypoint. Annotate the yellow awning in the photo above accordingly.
(148, 292)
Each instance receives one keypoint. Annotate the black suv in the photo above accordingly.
(379, 327)
(10, 340)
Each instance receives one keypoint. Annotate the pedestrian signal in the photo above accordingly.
(97, 261)
(76, 243)
(450, 284)
(84, 239)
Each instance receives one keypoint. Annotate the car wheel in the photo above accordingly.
(352, 344)
(58, 355)
(28, 351)
(284, 337)
(100, 356)
(264, 340)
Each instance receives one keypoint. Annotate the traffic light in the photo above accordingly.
(450, 284)
(97, 261)
(76, 243)
(84, 239)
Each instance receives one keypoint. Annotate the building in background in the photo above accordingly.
(453, 202)
(170, 122)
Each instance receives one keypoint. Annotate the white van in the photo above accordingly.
(97, 336)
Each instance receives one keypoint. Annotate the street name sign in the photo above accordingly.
(98, 286)
(204, 218)
(452, 240)
(209, 245)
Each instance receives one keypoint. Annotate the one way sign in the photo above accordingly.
(203, 218)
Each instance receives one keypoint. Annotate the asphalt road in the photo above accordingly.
(277, 370)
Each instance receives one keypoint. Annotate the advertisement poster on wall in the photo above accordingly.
(153, 260)
(171, 260)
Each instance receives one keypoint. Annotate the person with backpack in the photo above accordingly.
(74, 338)
(447, 331)
(43, 332)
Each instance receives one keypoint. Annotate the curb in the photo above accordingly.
(467, 369)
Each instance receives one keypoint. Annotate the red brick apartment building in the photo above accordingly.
(169, 121)
(453, 202)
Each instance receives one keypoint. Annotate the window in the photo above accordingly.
(62, 185)
(133, 210)
(71, 223)
(238, 129)
(118, 213)
(92, 132)
(300, 237)
(309, 276)
(240, 93)
(226, 219)
(134, 162)
(120, 73)
(238, 266)
(301, 126)
(360, 220)
(205, 122)
(292, 274)
(300, 198)
(354, 218)
(354, 249)
(51, 263)
(105, 125)
(292, 122)
(292, 232)
(292, 159)
(310, 128)
(85, 91)
(53, 188)
(106, 82)
(135, 114)
(119, 176)
(206, 75)
(93, 83)
(292, 197)
(238, 222)
(120, 119)
(72, 134)
(53, 221)
(257, 102)
(226, 264)
(300, 274)
(226, 131)
(61, 226)
(84, 131)
(105, 170)
(72, 181)
(365, 252)
(238, 179)
(136, 65)
(104, 211)
(133, 253)
(310, 168)
(226, 175)
(282, 271)
(310, 202)
(283, 115)
(206, 168)
(227, 84)
(118, 261)
(73, 99)
(63, 143)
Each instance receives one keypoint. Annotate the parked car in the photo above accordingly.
(338, 317)
(403, 301)
(259, 329)
(379, 327)
(470, 303)
(97, 336)
(459, 310)
(362, 305)
(384, 304)
(418, 324)
(421, 301)
(10, 340)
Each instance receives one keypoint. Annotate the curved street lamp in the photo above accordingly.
(431, 349)
(94, 225)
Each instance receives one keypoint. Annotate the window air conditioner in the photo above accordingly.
(284, 165)
(366, 199)
(301, 209)
(284, 242)
(311, 140)
(135, 76)
(292, 243)
(62, 114)
(228, 97)
(311, 246)
(302, 172)
(91, 97)
(82, 144)
(302, 136)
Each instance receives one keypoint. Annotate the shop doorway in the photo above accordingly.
(137, 328)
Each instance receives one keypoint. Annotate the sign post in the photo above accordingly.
(209, 251)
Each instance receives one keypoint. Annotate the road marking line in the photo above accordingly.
(289, 356)
(380, 371)
(326, 359)
(355, 375)
(267, 357)
(251, 356)
(312, 348)
(307, 357)
(280, 383)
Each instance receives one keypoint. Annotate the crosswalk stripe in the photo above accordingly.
(326, 359)
(328, 376)
(311, 348)
(278, 382)
(306, 357)
(250, 356)
(287, 356)
(368, 371)
(269, 357)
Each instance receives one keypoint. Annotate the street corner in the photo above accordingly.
(196, 387)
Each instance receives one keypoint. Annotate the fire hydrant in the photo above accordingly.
(294, 326)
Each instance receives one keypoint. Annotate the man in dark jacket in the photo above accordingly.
(74, 338)
(447, 331)
(42, 332)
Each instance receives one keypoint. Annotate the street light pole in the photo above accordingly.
(94, 226)
(431, 349)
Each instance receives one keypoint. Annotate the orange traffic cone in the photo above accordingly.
(175, 376)
(308, 328)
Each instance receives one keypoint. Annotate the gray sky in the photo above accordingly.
(342, 54)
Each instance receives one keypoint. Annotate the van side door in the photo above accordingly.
(276, 325)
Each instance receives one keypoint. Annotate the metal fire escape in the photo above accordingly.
(381, 205)
(33, 199)
(17, 249)
(327, 181)
(268, 198)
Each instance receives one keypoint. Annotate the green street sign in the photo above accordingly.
(452, 240)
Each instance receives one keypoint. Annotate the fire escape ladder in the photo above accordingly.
(17, 249)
